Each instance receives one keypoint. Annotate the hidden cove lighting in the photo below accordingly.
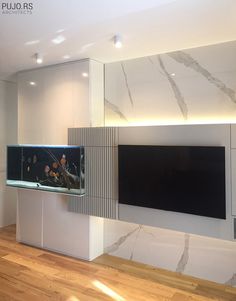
(118, 41)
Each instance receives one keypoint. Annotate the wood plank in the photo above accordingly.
(32, 274)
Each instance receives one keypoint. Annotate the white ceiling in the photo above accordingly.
(147, 27)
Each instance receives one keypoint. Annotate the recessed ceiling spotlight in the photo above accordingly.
(38, 58)
(29, 43)
(60, 30)
(85, 74)
(32, 83)
(66, 57)
(58, 40)
(172, 74)
(117, 41)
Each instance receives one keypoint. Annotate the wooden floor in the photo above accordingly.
(28, 273)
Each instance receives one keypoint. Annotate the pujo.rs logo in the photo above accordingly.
(17, 7)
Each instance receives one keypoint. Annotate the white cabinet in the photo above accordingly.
(51, 100)
(29, 217)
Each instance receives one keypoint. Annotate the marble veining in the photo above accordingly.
(188, 61)
(127, 84)
(185, 256)
(231, 281)
(134, 244)
(191, 85)
(115, 109)
(194, 85)
(177, 93)
(206, 258)
(179, 97)
(116, 245)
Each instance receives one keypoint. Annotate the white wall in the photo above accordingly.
(8, 135)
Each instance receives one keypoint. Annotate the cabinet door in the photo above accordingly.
(29, 217)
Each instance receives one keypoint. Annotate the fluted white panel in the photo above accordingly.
(94, 206)
(98, 136)
(101, 171)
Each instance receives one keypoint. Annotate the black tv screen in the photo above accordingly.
(187, 179)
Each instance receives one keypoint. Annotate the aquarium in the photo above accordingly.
(49, 168)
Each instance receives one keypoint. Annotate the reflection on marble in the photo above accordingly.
(179, 97)
(115, 109)
(186, 59)
(193, 255)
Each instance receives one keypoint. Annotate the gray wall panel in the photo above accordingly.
(101, 171)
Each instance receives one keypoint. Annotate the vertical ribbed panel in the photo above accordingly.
(101, 171)
(93, 136)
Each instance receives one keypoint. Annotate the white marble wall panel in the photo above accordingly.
(189, 86)
(183, 87)
(198, 256)
(212, 259)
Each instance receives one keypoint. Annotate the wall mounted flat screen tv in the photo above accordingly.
(187, 179)
(50, 168)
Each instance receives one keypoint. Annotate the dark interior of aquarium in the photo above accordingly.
(58, 167)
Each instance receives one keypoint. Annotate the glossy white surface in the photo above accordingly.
(29, 217)
(202, 257)
(63, 231)
(184, 87)
(59, 100)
